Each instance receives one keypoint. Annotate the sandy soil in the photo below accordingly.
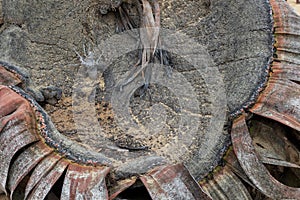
(294, 5)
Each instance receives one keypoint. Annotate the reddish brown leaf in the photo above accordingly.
(287, 44)
(15, 109)
(46, 182)
(9, 149)
(12, 128)
(287, 32)
(286, 56)
(280, 102)
(9, 100)
(256, 171)
(285, 19)
(85, 182)
(121, 186)
(271, 144)
(25, 162)
(286, 71)
(172, 182)
(235, 167)
(41, 170)
(7, 77)
(17, 128)
(231, 185)
(283, 163)
(17, 123)
(212, 188)
(226, 185)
